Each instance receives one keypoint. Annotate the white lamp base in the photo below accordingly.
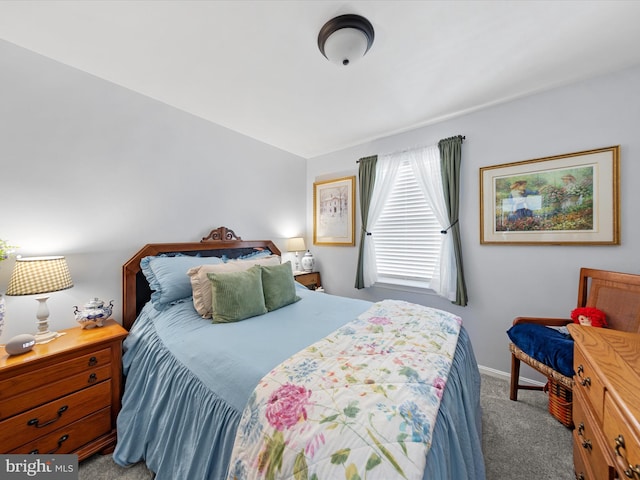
(43, 334)
(45, 337)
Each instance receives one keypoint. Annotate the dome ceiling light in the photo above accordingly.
(345, 39)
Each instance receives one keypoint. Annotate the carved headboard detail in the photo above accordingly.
(221, 234)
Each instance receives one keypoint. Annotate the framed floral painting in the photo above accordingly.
(334, 212)
(562, 200)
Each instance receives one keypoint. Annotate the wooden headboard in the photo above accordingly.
(220, 241)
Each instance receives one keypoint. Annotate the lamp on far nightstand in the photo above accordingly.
(296, 245)
(36, 275)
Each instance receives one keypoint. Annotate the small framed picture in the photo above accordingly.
(562, 200)
(334, 212)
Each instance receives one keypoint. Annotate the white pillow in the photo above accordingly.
(201, 286)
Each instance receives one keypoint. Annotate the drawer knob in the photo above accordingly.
(581, 429)
(93, 378)
(586, 444)
(35, 422)
(93, 361)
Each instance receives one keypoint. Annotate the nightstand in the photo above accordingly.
(63, 396)
(311, 280)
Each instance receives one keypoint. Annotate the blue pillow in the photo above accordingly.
(168, 279)
(547, 345)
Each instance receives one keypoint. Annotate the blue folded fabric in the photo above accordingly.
(547, 345)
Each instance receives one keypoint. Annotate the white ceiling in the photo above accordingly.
(254, 66)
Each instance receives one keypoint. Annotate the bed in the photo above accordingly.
(191, 385)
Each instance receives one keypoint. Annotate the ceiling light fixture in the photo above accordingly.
(345, 39)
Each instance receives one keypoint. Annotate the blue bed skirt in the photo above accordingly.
(174, 422)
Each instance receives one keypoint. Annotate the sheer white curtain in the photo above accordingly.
(386, 172)
(425, 163)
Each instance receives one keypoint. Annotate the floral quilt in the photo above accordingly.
(360, 403)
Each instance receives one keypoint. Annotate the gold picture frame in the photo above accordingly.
(570, 199)
(334, 218)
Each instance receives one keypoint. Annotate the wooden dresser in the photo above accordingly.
(606, 404)
(63, 396)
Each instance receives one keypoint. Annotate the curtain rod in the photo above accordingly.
(461, 136)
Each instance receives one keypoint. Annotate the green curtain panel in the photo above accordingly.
(366, 181)
(450, 159)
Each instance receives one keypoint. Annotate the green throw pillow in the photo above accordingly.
(278, 285)
(237, 295)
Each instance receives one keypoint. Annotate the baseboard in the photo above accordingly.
(492, 372)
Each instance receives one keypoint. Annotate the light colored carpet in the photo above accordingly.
(521, 441)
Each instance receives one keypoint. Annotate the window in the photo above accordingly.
(407, 233)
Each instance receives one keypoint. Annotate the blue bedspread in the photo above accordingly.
(188, 380)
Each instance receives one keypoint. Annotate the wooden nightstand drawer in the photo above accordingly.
(47, 375)
(35, 423)
(63, 396)
(71, 437)
(311, 280)
(46, 393)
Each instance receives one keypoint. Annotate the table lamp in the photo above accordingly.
(296, 245)
(37, 275)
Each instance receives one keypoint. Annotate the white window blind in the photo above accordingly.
(407, 234)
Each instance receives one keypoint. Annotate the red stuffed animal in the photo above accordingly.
(589, 316)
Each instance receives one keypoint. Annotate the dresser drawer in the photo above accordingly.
(36, 397)
(588, 438)
(619, 437)
(35, 423)
(581, 466)
(589, 384)
(39, 377)
(71, 437)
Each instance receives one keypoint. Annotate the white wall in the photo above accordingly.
(94, 171)
(507, 281)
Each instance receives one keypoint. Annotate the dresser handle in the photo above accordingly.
(581, 429)
(587, 444)
(635, 471)
(93, 378)
(619, 444)
(93, 361)
(34, 422)
(631, 471)
(580, 476)
(61, 440)
(585, 382)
